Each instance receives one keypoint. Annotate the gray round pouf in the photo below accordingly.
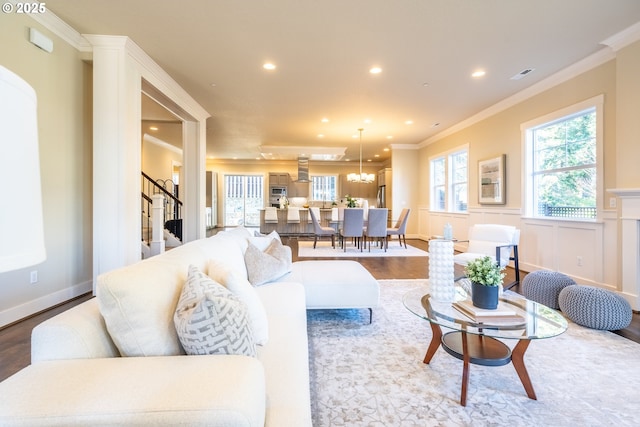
(544, 287)
(595, 308)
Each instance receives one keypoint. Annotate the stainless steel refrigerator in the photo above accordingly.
(381, 199)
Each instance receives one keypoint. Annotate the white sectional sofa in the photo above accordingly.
(79, 377)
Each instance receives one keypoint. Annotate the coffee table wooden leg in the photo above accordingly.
(435, 342)
(465, 369)
(517, 358)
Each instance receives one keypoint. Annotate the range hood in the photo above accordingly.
(303, 169)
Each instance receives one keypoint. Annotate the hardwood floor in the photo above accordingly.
(15, 339)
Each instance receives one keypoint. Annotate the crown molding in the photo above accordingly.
(152, 73)
(61, 29)
(624, 38)
(586, 64)
(162, 144)
(613, 43)
(404, 147)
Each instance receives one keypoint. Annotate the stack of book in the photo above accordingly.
(500, 316)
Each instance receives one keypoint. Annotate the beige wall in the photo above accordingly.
(62, 82)
(158, 159)
(628, 118)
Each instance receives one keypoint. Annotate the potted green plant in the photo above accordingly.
(351, 202)
(486, 277)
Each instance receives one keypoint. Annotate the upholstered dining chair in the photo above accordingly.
(400, 227)
(499, 242)
(352, 227)
(320, 231)
(376, 227)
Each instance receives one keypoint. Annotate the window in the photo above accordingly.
(324, 188)
(562, 163)
(449, 175)
(243, 199)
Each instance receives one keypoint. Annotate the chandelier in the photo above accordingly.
(365, 178)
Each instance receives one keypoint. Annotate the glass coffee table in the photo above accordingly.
(480, 343)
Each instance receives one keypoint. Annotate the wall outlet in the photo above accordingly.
(613, 202)
(579, 261)
(33, 277)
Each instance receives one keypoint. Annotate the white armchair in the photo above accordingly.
(500, 242)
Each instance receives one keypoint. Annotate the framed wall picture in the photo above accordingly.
(491, 181)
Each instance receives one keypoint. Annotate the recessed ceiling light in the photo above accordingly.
(368, 160)
(320, 135)
(367, 121)
(269, 66)
(478, 73)
(385, 149)
(376, 155)
(153, 128)
(324, 120)
(212, 84)
(425, 84)
(389, 136)
(408, 122)
(375, 70)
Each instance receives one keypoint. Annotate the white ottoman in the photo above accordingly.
(336, 284)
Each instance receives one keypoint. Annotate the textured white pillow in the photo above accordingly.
(267, 266)
(209, 319)
(262, 241)
(238, 284)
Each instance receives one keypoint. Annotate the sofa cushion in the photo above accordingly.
(211, 320)
(238, 284)
(273, 263)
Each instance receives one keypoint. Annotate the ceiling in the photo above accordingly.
(324, 50)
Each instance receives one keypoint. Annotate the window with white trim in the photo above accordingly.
(449, 181)
(324, 188)
(562, 166)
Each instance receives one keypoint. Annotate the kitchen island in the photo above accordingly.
(304, 227)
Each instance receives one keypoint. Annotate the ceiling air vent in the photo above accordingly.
(303, 169)
(522, 74)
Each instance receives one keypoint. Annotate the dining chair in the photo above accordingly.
(320, 231)
(352, 227)
(376, 227)
(400, 227)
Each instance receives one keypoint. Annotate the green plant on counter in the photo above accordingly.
(351, 202)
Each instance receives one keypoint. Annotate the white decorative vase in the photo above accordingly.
(441, 275)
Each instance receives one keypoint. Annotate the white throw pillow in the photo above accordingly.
(240, 287)
(262, 241)
(267, 266)
(209, 319)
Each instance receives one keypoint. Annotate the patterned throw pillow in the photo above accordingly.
(264, 267)
(209, 319)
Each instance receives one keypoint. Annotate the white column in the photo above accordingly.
(157, 224)
(116, 155)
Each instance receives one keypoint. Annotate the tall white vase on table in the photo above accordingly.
(441, 275)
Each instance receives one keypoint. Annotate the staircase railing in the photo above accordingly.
(172, 206)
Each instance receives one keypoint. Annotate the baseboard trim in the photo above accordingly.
(37, 305)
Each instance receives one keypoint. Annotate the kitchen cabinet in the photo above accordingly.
(279, 178)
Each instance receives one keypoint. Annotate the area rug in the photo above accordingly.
(372, 375)
(324, 250)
